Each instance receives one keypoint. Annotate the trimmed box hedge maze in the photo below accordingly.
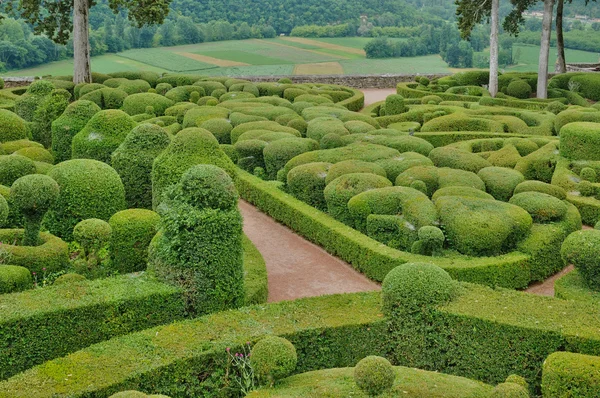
(124, 270)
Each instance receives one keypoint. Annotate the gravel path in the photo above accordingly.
(297, 268)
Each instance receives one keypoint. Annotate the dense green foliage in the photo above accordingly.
(132, 231)
(374, 375)
(273, 358)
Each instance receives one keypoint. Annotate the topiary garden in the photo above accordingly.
(125, 272)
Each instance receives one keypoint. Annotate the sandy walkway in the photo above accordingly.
(376, 94)
(297, 268)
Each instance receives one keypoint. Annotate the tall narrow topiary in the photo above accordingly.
(199, 244)
(33, 195)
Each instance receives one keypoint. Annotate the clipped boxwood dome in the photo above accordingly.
(73, 119)
(509, 390)
(132, 231)
(542, 207)
(14, 278)
(68, 278)
(273, 358)
(412, 286)
(88, 189)
(13, 167)
(582, 249)
(374, 375)
(12, 127)
(102, 135)
(519, 89)
(92, 234)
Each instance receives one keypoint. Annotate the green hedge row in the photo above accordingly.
(42, 324)
(483, 334)
(188, 358)
(571, 375)
(368, 256)
(92, 311)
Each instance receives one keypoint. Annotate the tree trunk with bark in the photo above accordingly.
(82, 72)
(542, 86)
(561, 63)
(493, 85)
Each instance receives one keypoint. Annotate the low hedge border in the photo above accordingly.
(566, 374)
(354, 103)
(483, 334)
(368, 256)
(188, 358)
(439, 139)
(404, 90)
(88, 312)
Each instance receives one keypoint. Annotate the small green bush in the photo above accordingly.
(88, 189)
(279, 152)
(519, 89)
(50, 108)
(589, 85)
(92, 235)
(567, 374)
(36, 154)
(516, 379)
(12, 127)
(556, 107)
(430, 243)
(133, 161)
(588, 174)
(26, 104)
(339, 191)
(13, 167)
(582, 249)
(374, 375)
(509, 390)
(457, 159)
(412, 286)
(508, 156)
(33, 195)
(542, 207)
(580, 141)
(14, 278)
(103, 133)
(273, 358)
(106, 98)
(353, 166)
(431, 99)
(500, 182)
(307, 183)
(73, 119)
(394, 105)
(250, 154)
(132, 231)
(220, 128)
(68, 278)
(136, 104)
(50, 255)
(586, 188)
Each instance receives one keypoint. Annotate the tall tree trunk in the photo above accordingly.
(542, 86)
(561, 63)
(493, 86)
(82, 72)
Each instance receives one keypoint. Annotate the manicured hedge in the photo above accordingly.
(580, 141)
(566, 374)
(42, 324)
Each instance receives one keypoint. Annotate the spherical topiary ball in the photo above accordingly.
(69, 278)
(92, 234)
(509, 390)
(273, 358)
(34, 193)
(13, 167)
(412, 286)
(374, 375)
(208, 186)
(582, 249)
(14, 278)
(586, 188)
(519, 89)
(588, 174)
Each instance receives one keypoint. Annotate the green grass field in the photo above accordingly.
(278, 56)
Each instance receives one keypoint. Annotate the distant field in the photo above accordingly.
(278, 56)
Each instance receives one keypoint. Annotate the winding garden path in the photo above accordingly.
(296, 267)
(373, 95)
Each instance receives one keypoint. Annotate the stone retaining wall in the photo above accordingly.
(354, 81)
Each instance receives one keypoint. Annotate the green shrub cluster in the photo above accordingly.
(132, 231)
(538, 186)
(88, 189)
(500, 182)
(542, 207)
(12, 127)
(13, 167)
(580, 141)
(14, 278)
(50, 255)
(136, 104)
(106, 98)
(199, 246)
(71, 122)
(273, 358)
(519, 89)
(567, 374)
(374, 375)
(582, 249)
(133, 161)
(279, 152)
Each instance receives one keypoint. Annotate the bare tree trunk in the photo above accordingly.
(561, 63)
(493, 86)
(82, 72)
(542, 86)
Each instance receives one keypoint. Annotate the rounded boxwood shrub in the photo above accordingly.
(250, 154)
(588, 174)
(88, 189)
(358, 127)
(199, 244)
(480, 227)
(33, 195)
(14, 278)
(457, 159)
(582, 249)
(273, 358)
(13, 167)
(27, 103)
(556, 107)
(188, 148)
(92, 234)
(519, 89)
(36, 154)
(539, 186)
(102, 135)
(136, 104)
(430, 243)
(374, 375)
(12, 127)
(542, 207)
(73, 119)
(150, 77)
(322, 126)
(580, 141)
(132, 231)
(399, 164)
(394, 105)
(277, 153)
(586, 188)
(516, 379)
(50, 108)
(412, 287)
(133, 161)
(353, 166)
(13, 146)
(509, 390)
(106, 98)
(307, 183)
(52, 253)
(69, 278)
(500, 182)
(220, 128)
(507, 156)
(339, 191)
